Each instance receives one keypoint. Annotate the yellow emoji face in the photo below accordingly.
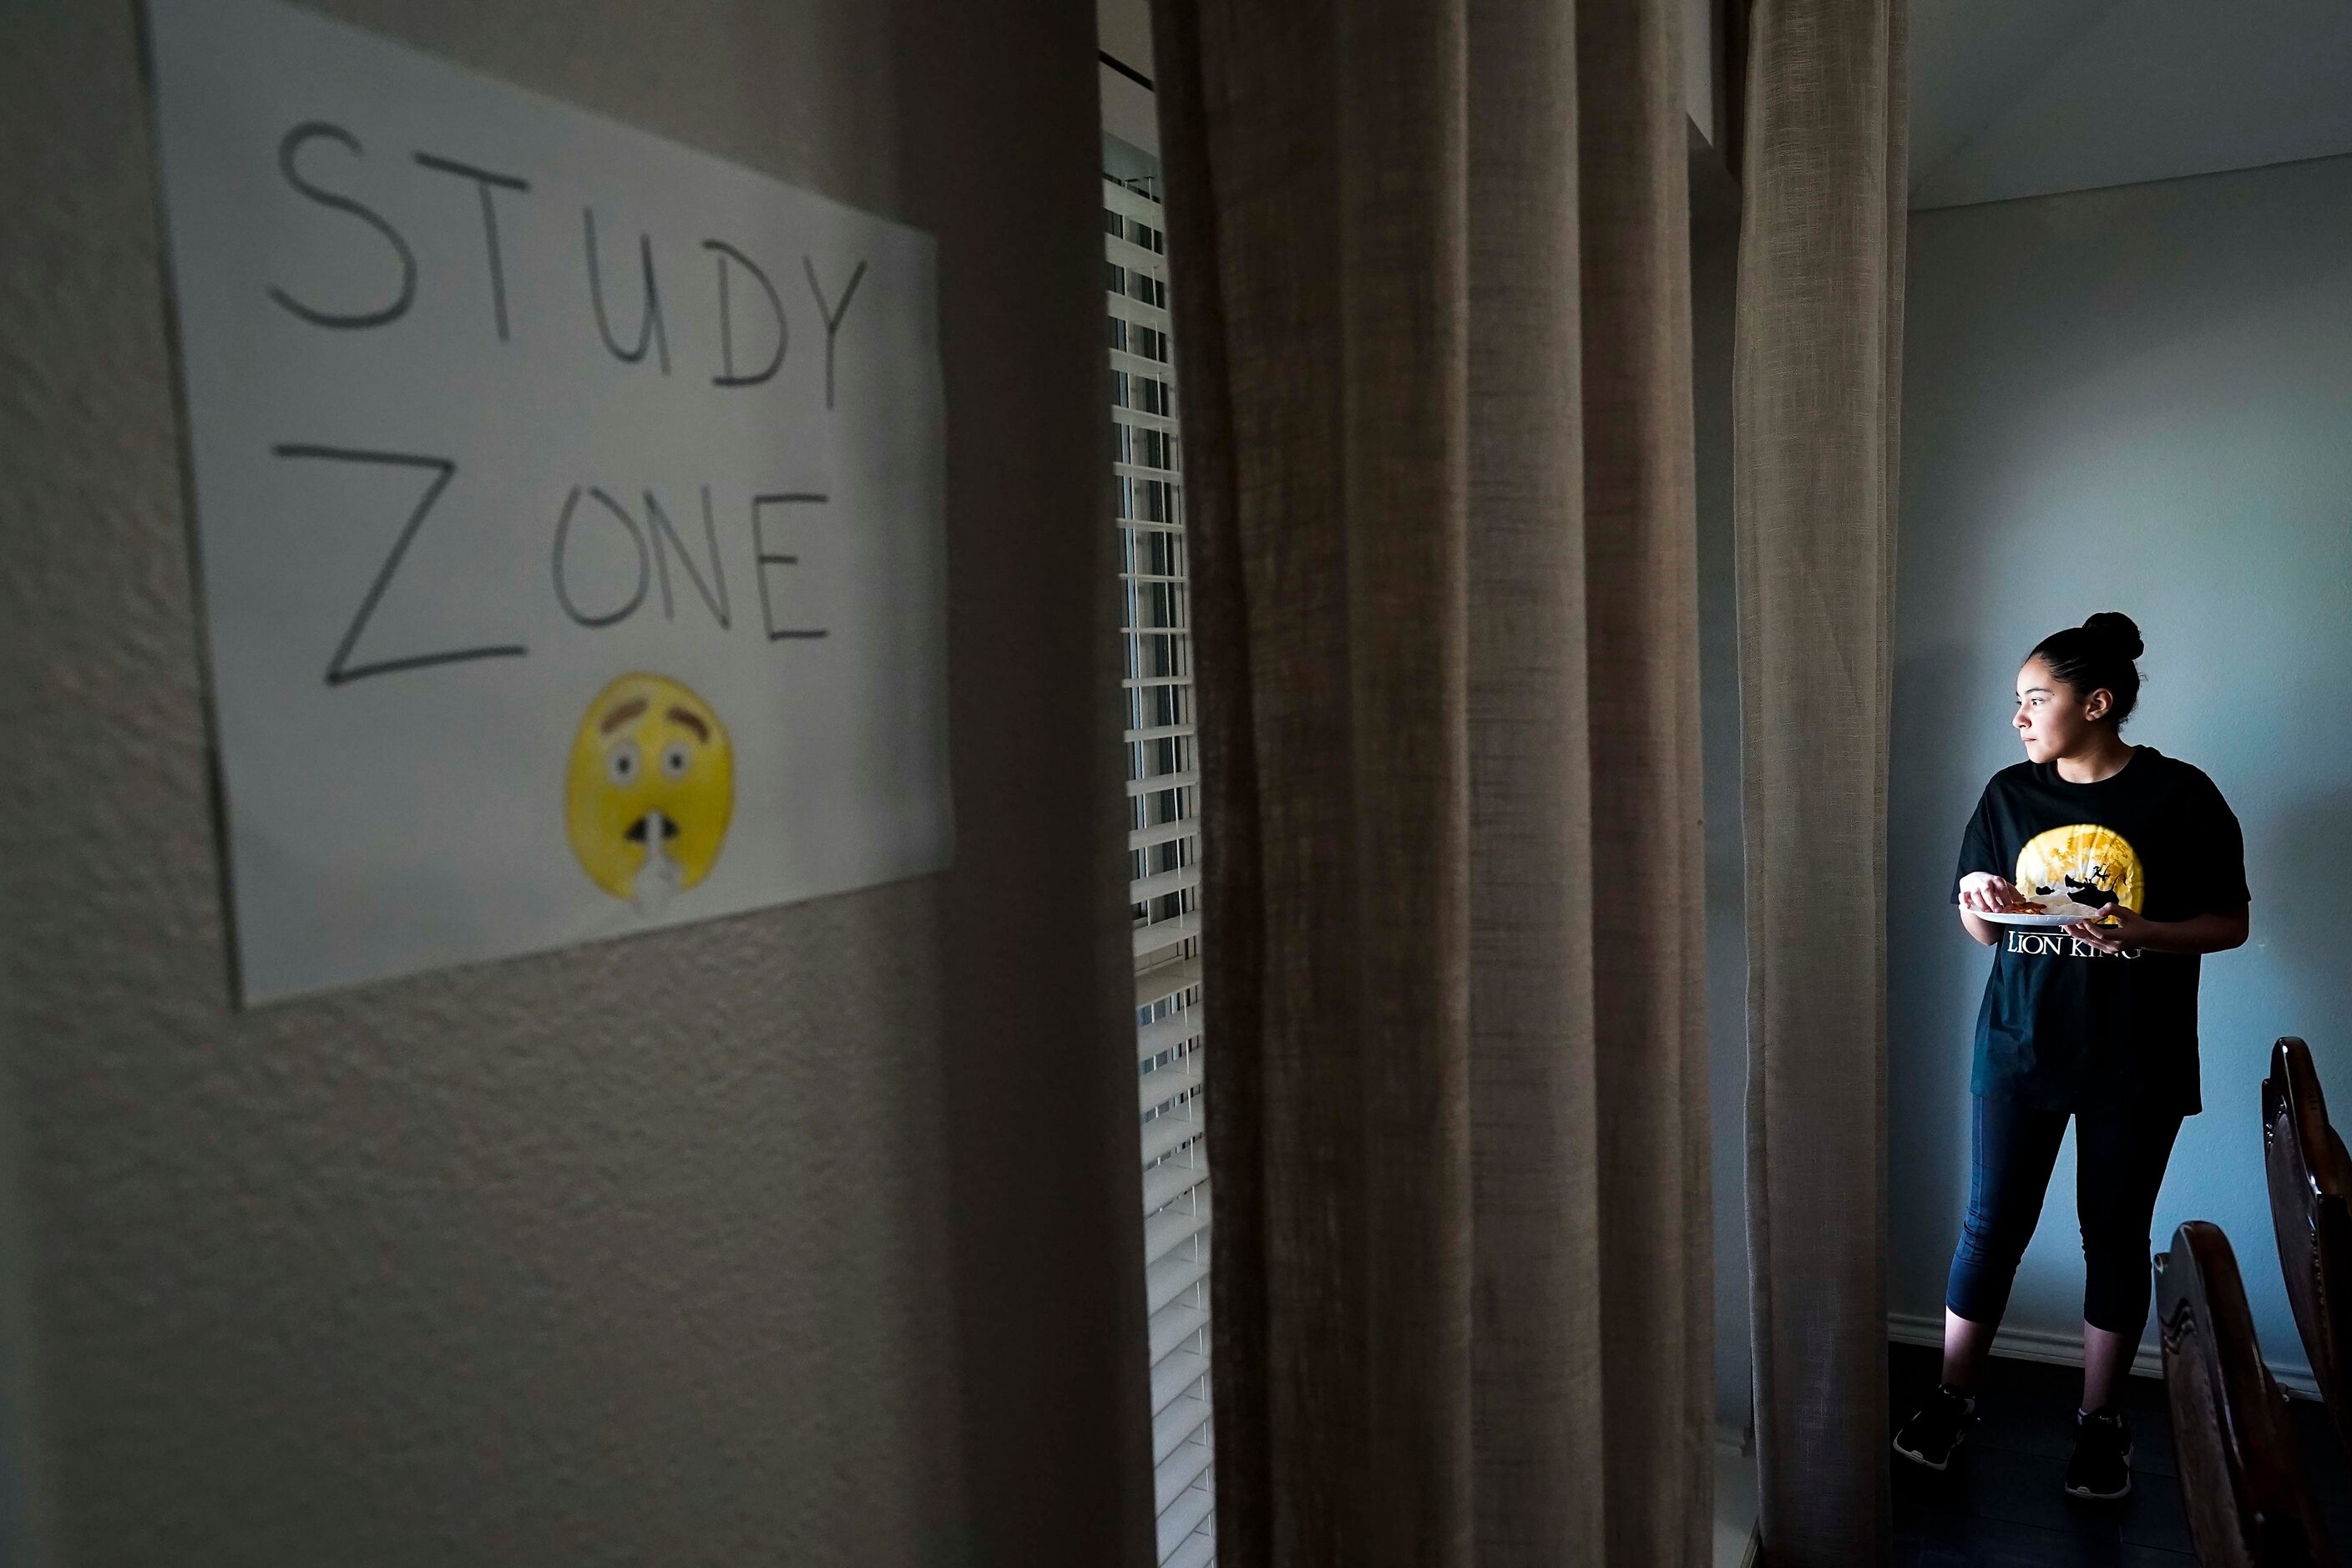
(649, 791)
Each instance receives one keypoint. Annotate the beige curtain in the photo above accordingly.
(1817, 389)
(1431, 285)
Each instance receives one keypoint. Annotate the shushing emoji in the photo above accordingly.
(649, 791)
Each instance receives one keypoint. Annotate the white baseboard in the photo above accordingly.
(2066, 1350)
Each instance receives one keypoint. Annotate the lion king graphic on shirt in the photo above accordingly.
(2066, 1024)
(2089, 864)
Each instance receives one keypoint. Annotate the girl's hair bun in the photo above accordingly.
(2120, 630)
(2098, 655)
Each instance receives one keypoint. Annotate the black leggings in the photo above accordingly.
(2119, 1160)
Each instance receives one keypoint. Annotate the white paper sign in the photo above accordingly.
(568, 506)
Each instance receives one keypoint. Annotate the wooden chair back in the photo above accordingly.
(2241, 1478)
(2311, 1209)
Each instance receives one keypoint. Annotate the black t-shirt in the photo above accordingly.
(2065, 1025)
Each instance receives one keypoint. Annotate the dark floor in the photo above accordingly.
(2003, 1503)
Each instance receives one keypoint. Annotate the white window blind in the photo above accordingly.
(1164, 788)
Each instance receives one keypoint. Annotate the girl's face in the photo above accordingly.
(2052, 720)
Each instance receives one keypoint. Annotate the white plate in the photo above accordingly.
(2038, 923)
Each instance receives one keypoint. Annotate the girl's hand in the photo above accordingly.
(1983, 894)
(2114, 929)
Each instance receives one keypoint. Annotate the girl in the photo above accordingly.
(2096, 1021)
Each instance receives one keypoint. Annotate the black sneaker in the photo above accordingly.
(1933, 1436)
(2100, 1468)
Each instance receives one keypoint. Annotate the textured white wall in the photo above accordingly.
(2130, 399)
(808, 1236)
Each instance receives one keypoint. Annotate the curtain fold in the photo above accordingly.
(1817, 392)
(1430, 275)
